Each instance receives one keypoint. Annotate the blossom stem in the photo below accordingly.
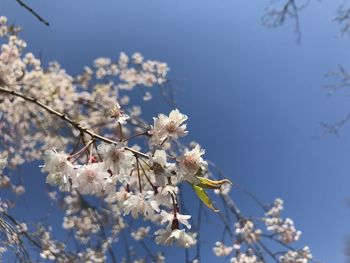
(134, 136)
(145, 162)
(76, 145)
(138, 173)
(120, 132)
(144, 172)
(81, 150)
(90, 156)
(98, 154)
(174, 205)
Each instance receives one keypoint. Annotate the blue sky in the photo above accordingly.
(254, 97)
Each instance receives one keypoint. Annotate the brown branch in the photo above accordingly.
(68, 120)
(28, 8)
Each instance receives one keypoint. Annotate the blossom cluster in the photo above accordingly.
(283, 227)
(82, 128)
(246, 231)
(298, 256)
(140, 185)
(248, 236)
(96, 93)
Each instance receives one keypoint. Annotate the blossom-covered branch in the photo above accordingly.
(82, 129)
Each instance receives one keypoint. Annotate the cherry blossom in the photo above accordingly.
(95, 145)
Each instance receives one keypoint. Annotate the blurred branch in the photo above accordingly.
(343, 18)
(276, 14)
(343, 79)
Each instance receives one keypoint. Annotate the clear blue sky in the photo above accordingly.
(254, 97)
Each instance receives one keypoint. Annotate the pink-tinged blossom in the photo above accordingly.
(91, 179)
(191, 162)
(168, 127)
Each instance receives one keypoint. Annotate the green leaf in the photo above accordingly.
(203, 196)
(212, 184)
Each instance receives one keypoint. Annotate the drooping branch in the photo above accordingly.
(67, 119)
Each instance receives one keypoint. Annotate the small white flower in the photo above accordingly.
(220, 250)
(123, 60)
(223, 190)
(3, 163)
(137, 58)
(140, 233)
(147, 96)
(169, 217)
(167, 237)
(118, 114)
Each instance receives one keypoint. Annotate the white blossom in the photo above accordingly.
(91, 179)
(220, 250)
(60, 170)
(284, 227)
(247, 231)
(190, 163)
(299, 256)
(138, 204)
(245, 258)
(3, 164)
(118, 114)
(169, 217)
(167, 237)
(165, 127)
(116, 158)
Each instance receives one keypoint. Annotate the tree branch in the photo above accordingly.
(68, 120)
(28, 8)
